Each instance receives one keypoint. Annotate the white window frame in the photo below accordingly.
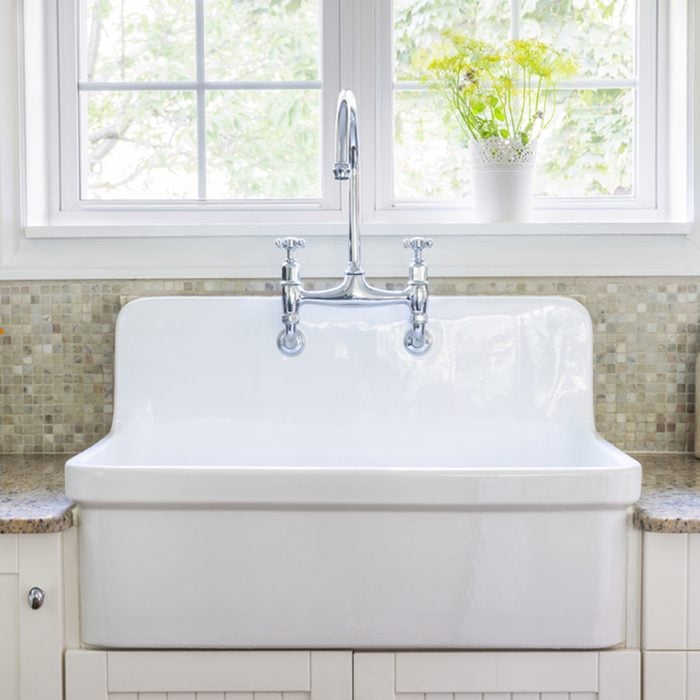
(36, 243)
(649, 202)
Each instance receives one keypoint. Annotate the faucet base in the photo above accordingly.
(291, 345)
(409, 342)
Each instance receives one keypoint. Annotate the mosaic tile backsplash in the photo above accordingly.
(56, 353)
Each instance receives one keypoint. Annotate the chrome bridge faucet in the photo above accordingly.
(354, 288)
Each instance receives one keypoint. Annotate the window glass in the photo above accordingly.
(587, 151)
(183, 131)
(262, 39)
(138, 40)
(141, 145)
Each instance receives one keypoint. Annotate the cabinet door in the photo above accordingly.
(208, 675)
(9, 619)
(498, 676)
(41, 631)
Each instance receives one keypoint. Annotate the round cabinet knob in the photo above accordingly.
(35, 598)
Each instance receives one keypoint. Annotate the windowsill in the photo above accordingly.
(376, 227)
(463, 250)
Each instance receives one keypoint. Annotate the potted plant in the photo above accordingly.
(502, 98)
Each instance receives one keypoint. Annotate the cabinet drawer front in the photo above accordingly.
(585, 675)
(208, 675)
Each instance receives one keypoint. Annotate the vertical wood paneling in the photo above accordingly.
(665, 596)
(693, 641)
(633, 627)
(665, 675)
(9, 637)
(693, 669)
(71, 602)
(620, 675)
(41, 631)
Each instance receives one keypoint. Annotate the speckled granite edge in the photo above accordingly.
(670, 499)
(32, 497)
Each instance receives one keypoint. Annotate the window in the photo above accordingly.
(600, 144)
(182, 102)
(215, 118)
(188, 103)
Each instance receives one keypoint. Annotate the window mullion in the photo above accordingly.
(201, 103)
(514, 19)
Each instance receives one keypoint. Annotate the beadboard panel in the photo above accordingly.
(209, 696)
(671, 591)
(497, 696)
(9, 630)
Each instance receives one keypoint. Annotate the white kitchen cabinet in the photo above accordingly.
(31, 641)
(671, 616)
(498, 675)
(208, 675)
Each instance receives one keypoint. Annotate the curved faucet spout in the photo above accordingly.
(347, 154)
(346, 142)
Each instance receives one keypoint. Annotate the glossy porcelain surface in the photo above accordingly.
(355, 495)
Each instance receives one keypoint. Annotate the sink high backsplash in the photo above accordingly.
(57, 352)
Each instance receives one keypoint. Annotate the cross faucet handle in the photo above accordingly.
(417, 245)
(290, 244)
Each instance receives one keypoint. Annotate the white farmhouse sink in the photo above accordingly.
(354, 496)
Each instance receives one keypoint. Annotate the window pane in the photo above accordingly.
(418, 23)
(429, 158)
(588, 150)
(139, 145)
(263, 144)
(262, 39)
(600, 35)
(138, 40)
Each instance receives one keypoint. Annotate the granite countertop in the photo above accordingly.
(32, 497)
(670, 499)
(31, 494)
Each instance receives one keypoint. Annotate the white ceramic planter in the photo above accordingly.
(502, 177)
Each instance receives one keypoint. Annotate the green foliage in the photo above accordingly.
(259, 144)
(143, 145)
(495, 92)
(588, 148)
